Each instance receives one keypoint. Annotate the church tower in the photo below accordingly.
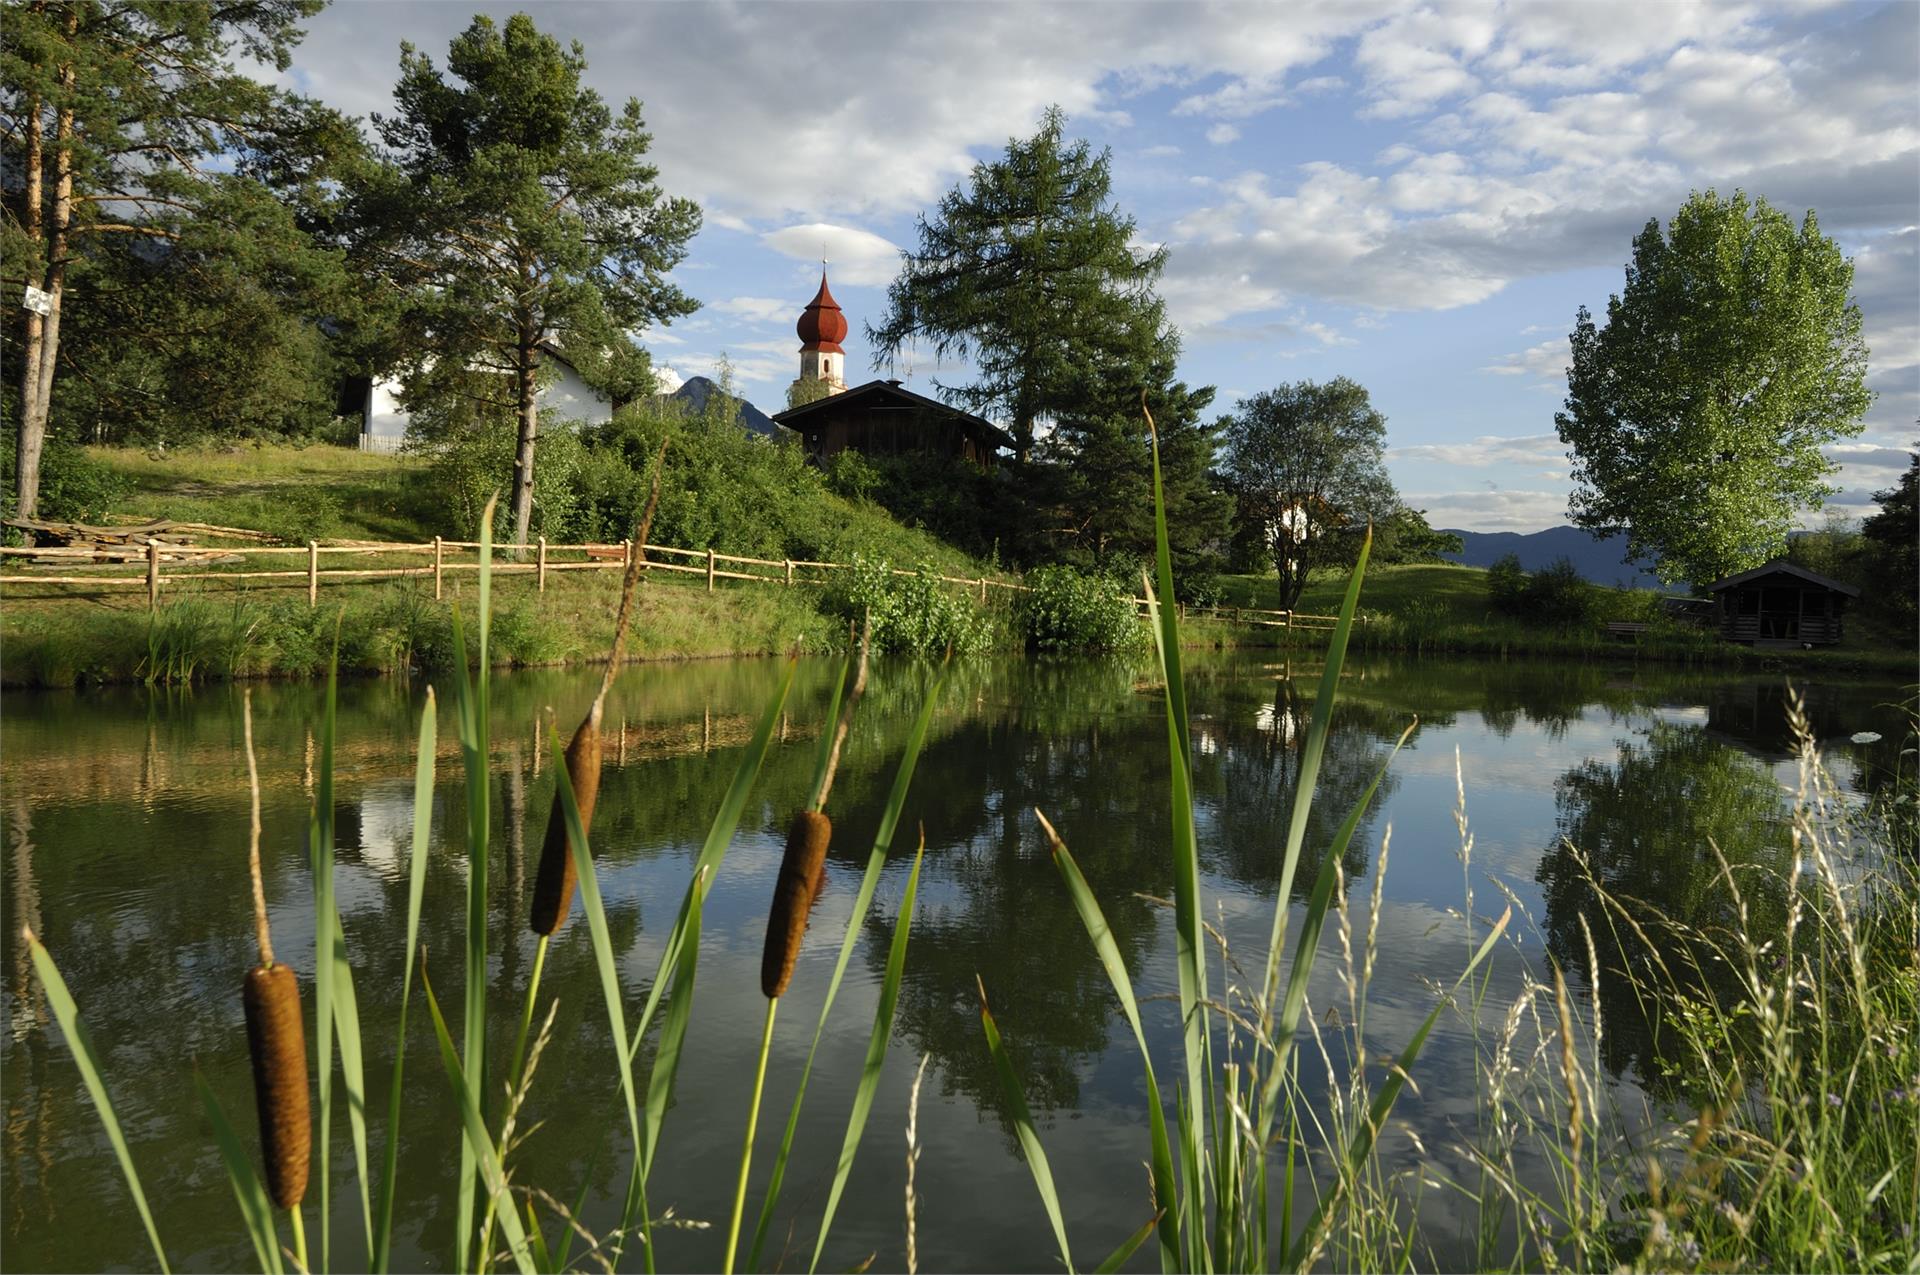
(821, 329)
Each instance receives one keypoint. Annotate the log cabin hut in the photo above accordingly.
(880, 418)
(1779, 602)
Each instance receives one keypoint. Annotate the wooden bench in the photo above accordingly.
(1626, 628)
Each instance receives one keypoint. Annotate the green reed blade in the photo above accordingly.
(477, 1138)
(255, 1208)
(876, 1052)
(537, 1240)
(1310, 755)
(1128, 1247)
(1016, 1099)
(1307, 945)
(325, 964)
(603, 958)
(579, 1204)
(1189, 933)
(416, 891)
(1363, 1138)
(346, 1015)
(67, 1014)
(1166, 1190)
(473, 726)
(862, 899)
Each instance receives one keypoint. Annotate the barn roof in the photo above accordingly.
(815, 415)
(1780, 566)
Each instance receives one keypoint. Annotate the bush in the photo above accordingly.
(1558, 595)
(1071, 610)
(912, 613)
(1507, 584)
(74, 487)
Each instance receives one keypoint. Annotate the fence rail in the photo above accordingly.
(509, 560)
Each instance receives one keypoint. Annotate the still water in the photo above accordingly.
(125, 817)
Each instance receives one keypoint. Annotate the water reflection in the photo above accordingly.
(125, 819)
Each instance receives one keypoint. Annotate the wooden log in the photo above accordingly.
(543, 564)
(153, 575)
(313, 573)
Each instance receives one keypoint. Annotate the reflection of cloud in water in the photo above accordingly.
(386, 829)
(1282, 724)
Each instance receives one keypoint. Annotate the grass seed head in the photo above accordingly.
(277, 1040)
(802, 873)
(553, 885)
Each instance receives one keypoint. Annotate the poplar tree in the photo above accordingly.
(518, 211)
(1697, 415)
(1031, 273)
(126, 124)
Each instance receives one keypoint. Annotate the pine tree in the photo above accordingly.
(518, 211)
(114, 117)
(1032, 274)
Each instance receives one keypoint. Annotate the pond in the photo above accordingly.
(125, 816)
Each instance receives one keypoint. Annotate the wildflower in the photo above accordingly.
(1833, 1100)
(1688, 1248)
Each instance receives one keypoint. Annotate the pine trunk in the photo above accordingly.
(525, 389)
(27, 470)
(42, 353)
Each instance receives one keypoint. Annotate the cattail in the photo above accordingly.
(802, 870)
(553, 886)
(277, 1040)
(276, 1034)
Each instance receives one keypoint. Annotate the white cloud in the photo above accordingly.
(1546, 361)
(1160, 152)
(1492, 510)
(1221, 134)
(759, 309)
(1527, 449)
(854, 255)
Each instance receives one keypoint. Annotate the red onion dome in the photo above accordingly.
(822, 326)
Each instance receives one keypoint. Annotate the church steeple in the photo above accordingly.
(821, 329)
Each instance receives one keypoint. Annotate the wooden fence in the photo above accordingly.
(447, 556)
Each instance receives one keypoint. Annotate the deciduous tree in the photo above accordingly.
(1696, 416)
(1306, 464)
(519, 210)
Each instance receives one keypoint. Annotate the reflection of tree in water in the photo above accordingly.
(993, 904)
(1647, 823)
(1248, 766)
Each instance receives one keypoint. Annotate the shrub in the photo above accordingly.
(912, 613)
(1073, 610)
(1558, 595)
(74, 487)
(1507, 584)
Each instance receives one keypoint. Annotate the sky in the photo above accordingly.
(1416, 197)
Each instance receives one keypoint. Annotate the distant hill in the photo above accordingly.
(696, 390)
(1601, 560)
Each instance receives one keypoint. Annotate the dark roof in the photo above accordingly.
(1780, 566)
(800, 418)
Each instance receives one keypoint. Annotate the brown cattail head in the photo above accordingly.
(802, 872)
(277, 1039)
(553, 886)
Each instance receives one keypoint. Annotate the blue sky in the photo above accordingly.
(1418, 197)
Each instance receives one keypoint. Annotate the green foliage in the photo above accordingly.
(517, 210)
(1030, 274)
(1070, 610)
(74, 486)
(1892, 542)
(1697, 415)
(911, 613)
(1555, 595)
(1306, 465)
(1405, 537)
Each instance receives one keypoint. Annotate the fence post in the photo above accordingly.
(1289, 619)
(709, 571)
(153, 575)
(626, 553)
(789, 573)
(983, 591)
(541, 571)
(436, 568)
(313, 573)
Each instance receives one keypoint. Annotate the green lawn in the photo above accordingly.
(318, 491)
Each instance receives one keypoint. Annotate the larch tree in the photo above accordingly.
(1306, 465)
(518, 213)
(1696, 416)
(1029, 272)
(131, 142)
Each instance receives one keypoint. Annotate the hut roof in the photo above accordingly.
(1780, 566)
(885, 394)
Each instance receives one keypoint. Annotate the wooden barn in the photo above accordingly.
(883, 418)
(1780, 602)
